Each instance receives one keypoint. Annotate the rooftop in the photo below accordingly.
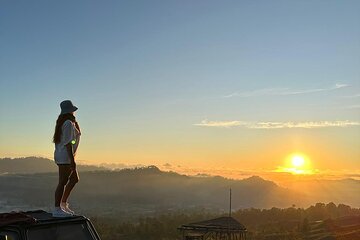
(221, 223)
(32, 217)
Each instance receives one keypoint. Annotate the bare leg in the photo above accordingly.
(64, 173)
(73, 179)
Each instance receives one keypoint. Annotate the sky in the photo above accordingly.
(233, 85)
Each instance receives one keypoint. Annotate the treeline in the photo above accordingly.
(260, 222)
(319, 211)
(161, 227)
(290, 221)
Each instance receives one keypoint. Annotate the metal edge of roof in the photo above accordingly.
(211, 227)
(44, 221)
(229, 222)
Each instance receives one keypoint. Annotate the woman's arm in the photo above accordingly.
(70, 152)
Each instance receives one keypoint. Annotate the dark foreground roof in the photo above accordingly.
(221, 223)
(32, 217)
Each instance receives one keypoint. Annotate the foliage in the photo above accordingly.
(289, 223)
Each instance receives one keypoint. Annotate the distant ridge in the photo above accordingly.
(27, 165)
(149, 185)
(147, 189)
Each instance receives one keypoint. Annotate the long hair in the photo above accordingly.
(59, 122)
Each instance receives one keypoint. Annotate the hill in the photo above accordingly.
(35, 165)
(31, 182)
(323, 190)
(145, 190)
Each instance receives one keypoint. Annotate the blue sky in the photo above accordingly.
(144, 73)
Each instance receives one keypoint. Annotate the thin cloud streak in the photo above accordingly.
(352, 96)
(277, 125)
(270, 174)
(283, 91)
(353, 107)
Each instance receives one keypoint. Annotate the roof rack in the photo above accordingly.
(31, 217)
(15, 218)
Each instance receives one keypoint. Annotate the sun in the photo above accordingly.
(297, 163)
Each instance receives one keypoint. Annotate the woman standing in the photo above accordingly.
(66, 139)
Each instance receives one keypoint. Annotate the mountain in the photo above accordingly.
(340, 191)
(145, 189)
(35, 165)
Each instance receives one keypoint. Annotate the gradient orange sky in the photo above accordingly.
(193, 85)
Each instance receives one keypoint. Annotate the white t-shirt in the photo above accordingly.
(69, 134)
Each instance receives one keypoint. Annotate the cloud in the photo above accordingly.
(269, 173)
(226, 124)
(283, 91)
(352, 96)
(353, 107)
(277, 125)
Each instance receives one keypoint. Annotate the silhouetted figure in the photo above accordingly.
(66, 139)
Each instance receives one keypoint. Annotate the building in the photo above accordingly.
(222, 228)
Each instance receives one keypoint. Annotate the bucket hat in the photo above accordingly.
(67, 107)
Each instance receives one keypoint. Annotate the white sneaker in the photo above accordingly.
(65, 207)
(58, 212)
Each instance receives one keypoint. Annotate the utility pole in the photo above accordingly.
(230, 204)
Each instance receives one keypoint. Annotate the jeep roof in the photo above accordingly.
(40, 225)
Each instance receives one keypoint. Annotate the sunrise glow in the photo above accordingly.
(187, 92)
(297, 163)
